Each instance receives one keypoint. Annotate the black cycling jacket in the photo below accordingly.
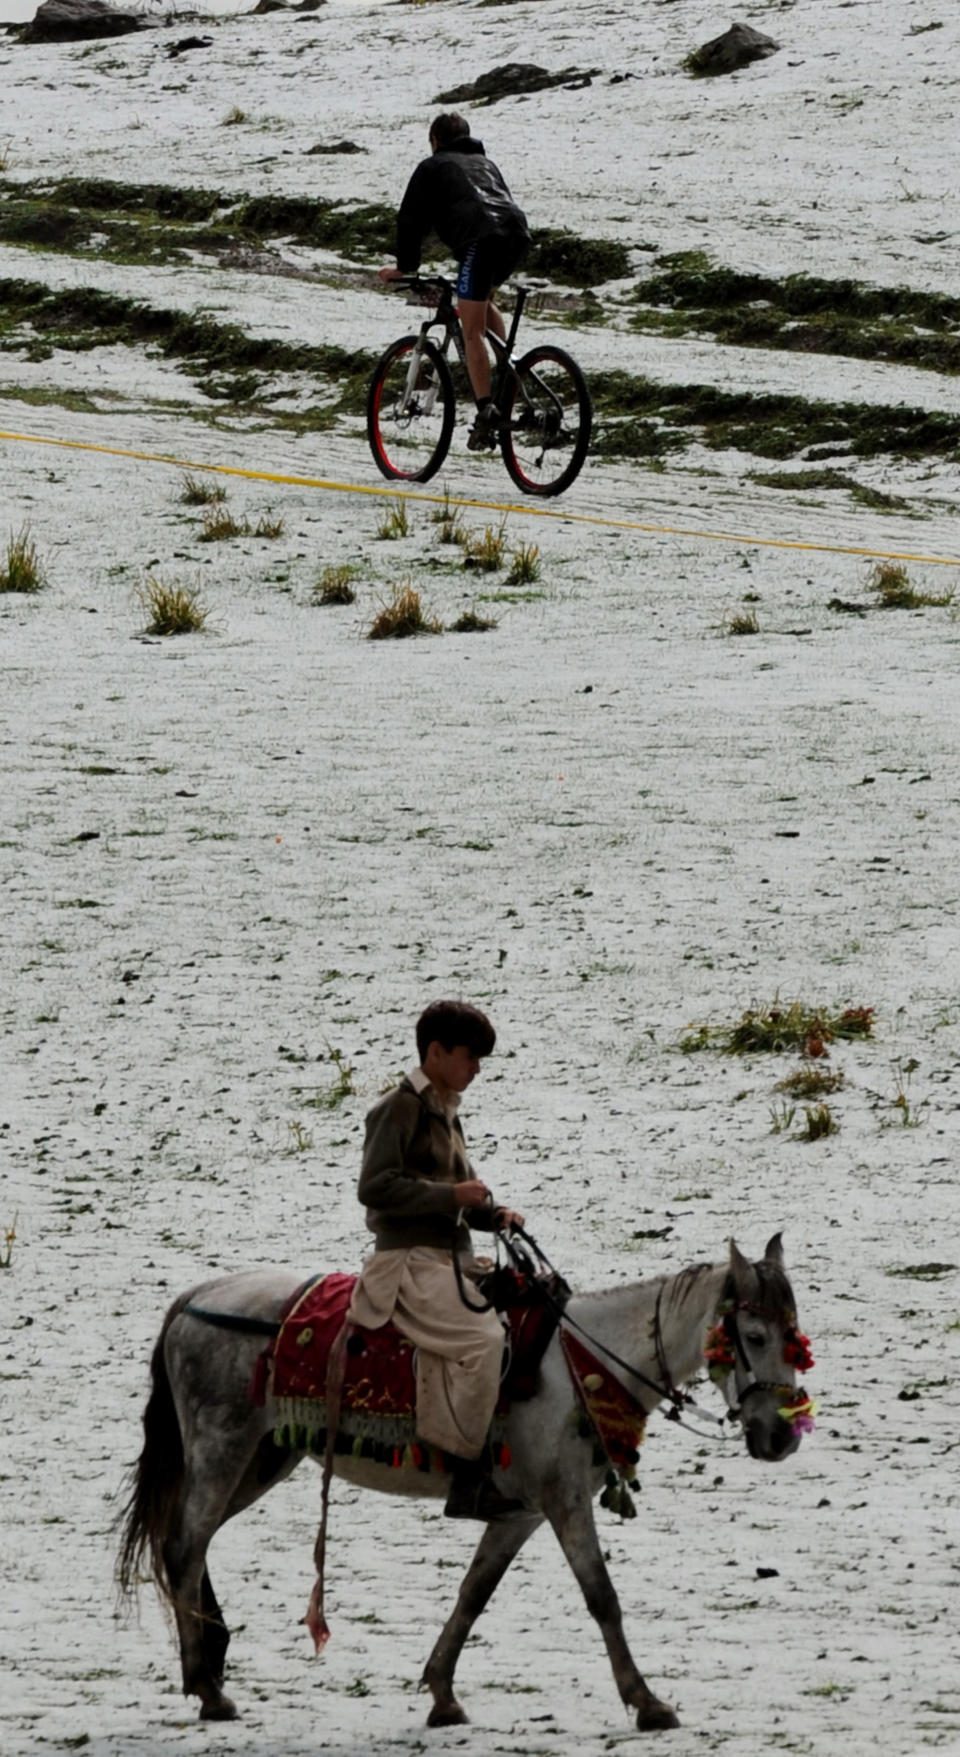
(460, 195)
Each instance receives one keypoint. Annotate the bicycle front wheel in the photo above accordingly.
(410, 410)
(547, 422)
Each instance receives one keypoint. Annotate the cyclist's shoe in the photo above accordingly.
(484, 433)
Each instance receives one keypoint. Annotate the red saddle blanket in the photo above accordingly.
(379, 1378)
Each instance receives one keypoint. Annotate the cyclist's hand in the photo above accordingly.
(391, 274)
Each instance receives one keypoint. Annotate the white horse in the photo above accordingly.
(209, 1451)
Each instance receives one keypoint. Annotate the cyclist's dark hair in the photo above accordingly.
(451, 1023)
(448, 127)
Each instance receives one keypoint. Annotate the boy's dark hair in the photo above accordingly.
(448, 127)
(451, 1023)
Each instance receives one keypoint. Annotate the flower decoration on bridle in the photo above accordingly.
(720, 1354)
(797, 1352)
(720, 1351)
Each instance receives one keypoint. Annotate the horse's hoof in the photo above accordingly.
(656, 1717)
(449, 1715)
(222, 1709)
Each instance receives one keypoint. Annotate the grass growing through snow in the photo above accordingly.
(402, 616)
(172, 609)
(471, 622)
(743, 622)
(219, 525)
(811, 1082)
(486, 552)
(890, 584)
(334, 586)
(395, 523)
(194, 491)
(21, 569)
(525, 566)
(781, 1027)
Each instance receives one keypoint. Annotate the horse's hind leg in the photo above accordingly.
(570, 1513)
(495, 1551)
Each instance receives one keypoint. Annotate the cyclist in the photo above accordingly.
(459, 194)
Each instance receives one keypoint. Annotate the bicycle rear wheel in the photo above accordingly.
(547, 420)
(410, 410)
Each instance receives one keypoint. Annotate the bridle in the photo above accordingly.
(679, 1403)
(747, 1382)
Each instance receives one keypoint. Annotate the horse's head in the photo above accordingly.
(754, 1350)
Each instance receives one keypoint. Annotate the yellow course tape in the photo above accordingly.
(531, 509)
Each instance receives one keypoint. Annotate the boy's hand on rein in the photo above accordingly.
(506, 1218)
(472, 1193)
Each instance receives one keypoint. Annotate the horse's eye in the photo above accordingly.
(755, 1338)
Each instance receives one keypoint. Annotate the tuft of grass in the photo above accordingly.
(343, 1086)
(820, 1121)
(234, 117)
(172, 609)
(890, 583)
(486, 552)
(905, 1110)
(781, 1118)
(402, 616)
(334, 586)
(301, 1139)
(194, 491)
(811, 1082)
(219, 524)
(471, 622)
(781, 1027)
(21, 569)
(743, 622)
(395, 523)
(5, 155)
(9, 1240)
(267, 527)
(525, 565)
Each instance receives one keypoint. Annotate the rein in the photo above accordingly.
(679, 1401)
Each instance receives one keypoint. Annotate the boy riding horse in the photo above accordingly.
(422, 1197)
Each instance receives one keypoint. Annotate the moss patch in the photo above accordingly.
(801, 313)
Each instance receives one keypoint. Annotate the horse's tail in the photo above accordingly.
(155, 1479)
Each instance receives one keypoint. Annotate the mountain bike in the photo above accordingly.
(544, 413)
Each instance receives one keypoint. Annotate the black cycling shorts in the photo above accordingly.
(487, 264)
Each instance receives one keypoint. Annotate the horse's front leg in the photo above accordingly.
(495, 1551)
(570, 1512)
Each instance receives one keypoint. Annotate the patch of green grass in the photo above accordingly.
(923, 1271)
(890, 584)
(172, 609)
(20, 568)
(402, 616)
(781, 1027)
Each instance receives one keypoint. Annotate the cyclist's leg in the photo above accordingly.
(473, 322)
(475, 284)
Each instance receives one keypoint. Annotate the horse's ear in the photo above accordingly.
(774, 1251)
(739, 1269)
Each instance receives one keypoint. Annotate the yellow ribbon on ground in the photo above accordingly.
(531, 509)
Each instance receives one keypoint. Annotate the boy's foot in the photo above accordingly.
(483, 434)
(481, 1500)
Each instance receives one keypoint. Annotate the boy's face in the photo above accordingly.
(452, 1069)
